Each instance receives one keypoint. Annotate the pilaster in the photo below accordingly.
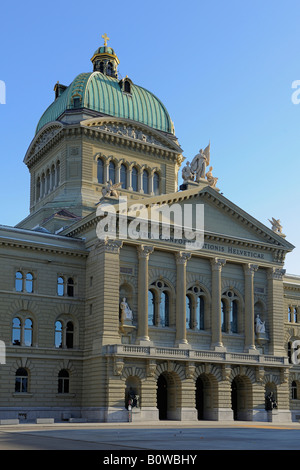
(143, 254)
(275, 320)
(216, 267)
(249, 270)
(181, 262)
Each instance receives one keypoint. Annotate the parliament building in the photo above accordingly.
(112, 328)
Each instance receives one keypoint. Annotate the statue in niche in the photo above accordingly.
(210, 178)
(270, 402)
(111, 189)
(133, 398)
(126, 312)
(259, 325)
(187, 174)
(200, 162)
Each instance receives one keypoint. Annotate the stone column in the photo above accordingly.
(216, 266)
(106, 171)
(118, 172)
(142, 333)
(275, 318)
(249, 270)
(181, 261)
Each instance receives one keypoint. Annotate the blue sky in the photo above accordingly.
(224, 70)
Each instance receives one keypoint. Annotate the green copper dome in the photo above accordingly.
(107, 95)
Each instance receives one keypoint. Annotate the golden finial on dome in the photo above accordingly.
(106, 38)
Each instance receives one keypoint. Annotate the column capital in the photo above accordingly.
(276, 274)
(217, 264)
(109, 245)
(182, 257)
(249, 269)
(144, 251)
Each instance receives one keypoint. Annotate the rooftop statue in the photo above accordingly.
(210, 178)
(187, 174)
(200, 162)
(111, 189)
(276, 226)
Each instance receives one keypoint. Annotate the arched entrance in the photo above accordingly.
(241, 398)
(162, 397)
(270, 396)
(132, 392)
(169, 396)
(200, 398)
(206, 388)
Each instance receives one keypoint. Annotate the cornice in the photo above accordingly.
(43, 245)
(55, 131)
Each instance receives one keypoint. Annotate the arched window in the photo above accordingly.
(189, 310)
(145, 182)
(52, 185)
(101, 68)
(134, 179)
(100, 171)
(127, 87)
(151, 308)
(230, 310)
(16, 331)
(63, 381)
(28, 332)
(57, 173)
(159, 304)
(21, 382)
(38, 189)
(43, 185)
(294, 390)
(60, 286)
(58, 334)
(196, 308)
(47, 181)
(109, 69)
(69, 335)
(29, 283)
(70, 287)
(123, 176)
(19, 281)
(112, 172)
(295, 315)
(156, 183)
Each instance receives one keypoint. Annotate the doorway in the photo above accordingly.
(162, 397)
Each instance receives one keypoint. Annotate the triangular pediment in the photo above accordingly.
(228, 230)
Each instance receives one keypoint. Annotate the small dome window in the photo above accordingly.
(127, 87)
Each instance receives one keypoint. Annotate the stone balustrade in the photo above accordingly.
(156, 352)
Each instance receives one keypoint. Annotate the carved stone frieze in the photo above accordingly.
(129, 131)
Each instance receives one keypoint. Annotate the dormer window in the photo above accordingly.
(76, 102)
(127, 87)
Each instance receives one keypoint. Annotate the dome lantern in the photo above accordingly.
(105, 60)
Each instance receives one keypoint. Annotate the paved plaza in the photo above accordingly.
(163, 436)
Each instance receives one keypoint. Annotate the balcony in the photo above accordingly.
(163, 353)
